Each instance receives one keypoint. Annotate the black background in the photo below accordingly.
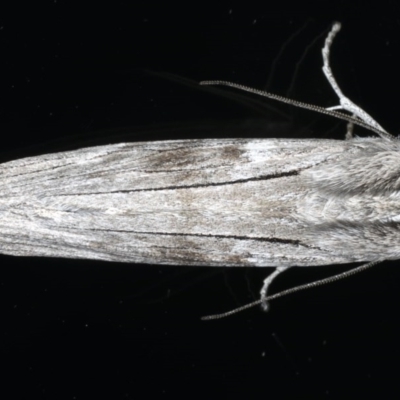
(78, 73)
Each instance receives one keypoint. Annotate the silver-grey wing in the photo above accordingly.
(194, 202)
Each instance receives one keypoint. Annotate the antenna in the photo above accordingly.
(359, 116)
(295, 289)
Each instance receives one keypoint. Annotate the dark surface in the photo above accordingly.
(74, 75)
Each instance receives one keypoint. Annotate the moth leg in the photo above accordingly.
(345, 103)
(267, 282)
(349, 131)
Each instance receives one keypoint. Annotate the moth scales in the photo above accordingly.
(214, 202)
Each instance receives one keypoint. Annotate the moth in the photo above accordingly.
(215, 202)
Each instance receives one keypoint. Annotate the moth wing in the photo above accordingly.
(197, 202)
